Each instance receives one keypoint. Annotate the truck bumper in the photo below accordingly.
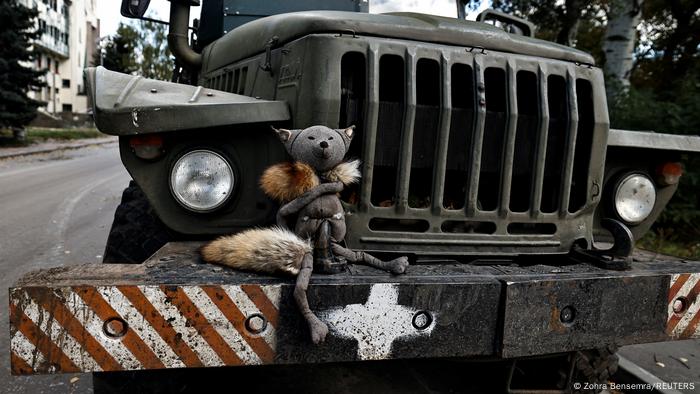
(174, 311)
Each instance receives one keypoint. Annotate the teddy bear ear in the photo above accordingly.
(283, 134)
(349, 132)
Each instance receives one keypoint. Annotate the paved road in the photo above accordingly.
(56, 209)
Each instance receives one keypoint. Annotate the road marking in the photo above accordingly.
(63, 215)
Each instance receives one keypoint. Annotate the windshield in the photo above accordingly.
(446, 8)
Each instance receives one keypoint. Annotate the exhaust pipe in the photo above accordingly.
(178, 41)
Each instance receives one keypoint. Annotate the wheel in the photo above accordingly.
(594, 366)
(136, 231)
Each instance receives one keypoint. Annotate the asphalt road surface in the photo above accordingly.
(55, 209)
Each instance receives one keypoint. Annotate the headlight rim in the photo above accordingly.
(231, 167)
(621, 179)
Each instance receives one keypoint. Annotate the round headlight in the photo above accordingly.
(201, 180)
(635, 196)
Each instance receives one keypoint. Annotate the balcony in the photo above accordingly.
(54, 46)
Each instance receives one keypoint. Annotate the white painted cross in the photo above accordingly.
(376, 323)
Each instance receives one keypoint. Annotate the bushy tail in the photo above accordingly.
(268, 250)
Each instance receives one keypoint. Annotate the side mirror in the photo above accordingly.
(509, 23)
(134, 8)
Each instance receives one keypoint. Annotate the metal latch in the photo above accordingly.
(267, 66)
(615, 258)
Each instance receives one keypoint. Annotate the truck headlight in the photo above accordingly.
(201, 180)
(634, 198)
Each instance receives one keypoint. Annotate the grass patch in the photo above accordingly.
(38, 135)
(62, 134)
(658, 241)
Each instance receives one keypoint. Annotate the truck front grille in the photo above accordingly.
(457, 142)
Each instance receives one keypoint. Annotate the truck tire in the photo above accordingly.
(594, 366)
(136, 231)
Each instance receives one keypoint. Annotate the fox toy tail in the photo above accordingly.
(269, 250)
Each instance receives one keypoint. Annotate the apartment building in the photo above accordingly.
(70, 35)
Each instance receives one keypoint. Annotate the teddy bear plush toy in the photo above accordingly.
(310, 222)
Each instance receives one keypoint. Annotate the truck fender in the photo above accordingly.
(127, 104)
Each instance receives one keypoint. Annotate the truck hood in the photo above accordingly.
(250, 39)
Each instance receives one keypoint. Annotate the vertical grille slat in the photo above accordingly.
(570, 144)
(459, 146)
(478, 138)
(443, 137)
(409, 120)
(509, 147)
(236, 80)
(371, 121)
(493, 138)
(426, 128)
(556, 143)
(390, 122)
(541, 150)
(584, 145)
(522, 173)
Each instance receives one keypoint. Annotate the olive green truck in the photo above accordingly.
(487, 158)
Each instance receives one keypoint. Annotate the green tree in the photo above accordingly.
(559, 21)
(139, 48)
(17, 30)
(118, 52)
(156, 61)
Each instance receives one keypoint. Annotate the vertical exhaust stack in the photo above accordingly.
(178, 41)
(462, 9)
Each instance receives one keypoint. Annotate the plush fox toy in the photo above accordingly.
(308, 189)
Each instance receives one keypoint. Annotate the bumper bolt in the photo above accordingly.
(679, 305)
(567, 315)
(422, 320)
(256, 323)
(115, 327)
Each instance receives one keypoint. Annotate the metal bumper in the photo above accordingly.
(175, 311)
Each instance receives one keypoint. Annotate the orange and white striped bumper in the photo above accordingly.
(114, 328)
(179, 313)
(684, 306)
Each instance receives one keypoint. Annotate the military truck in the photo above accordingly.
(487, 157)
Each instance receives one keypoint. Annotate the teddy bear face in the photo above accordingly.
(321, 147)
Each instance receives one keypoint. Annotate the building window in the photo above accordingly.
(56, 90)
(66, 83)
(56, 63)
(48, 63)
(67, 107)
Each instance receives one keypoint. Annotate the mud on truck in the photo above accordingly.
(487, 158)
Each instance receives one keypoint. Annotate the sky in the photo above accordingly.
(108, 10)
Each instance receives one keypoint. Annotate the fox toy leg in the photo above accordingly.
(319, 329)
(395, 266)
